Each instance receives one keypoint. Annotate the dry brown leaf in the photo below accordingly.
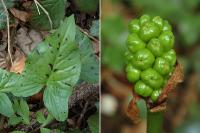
(133, 111)
(21, 15)
(177, 77)
(19, 63)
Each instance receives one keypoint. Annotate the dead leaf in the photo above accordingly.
(21, 15)
(133, 111)
(160, 108)
(19, 63)
(177, 77)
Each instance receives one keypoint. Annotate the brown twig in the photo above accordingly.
(45, 11)
(82, 114)
(87, 34)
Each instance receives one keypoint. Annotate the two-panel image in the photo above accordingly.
(99, 66)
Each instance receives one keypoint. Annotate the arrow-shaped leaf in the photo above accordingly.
(55, 66)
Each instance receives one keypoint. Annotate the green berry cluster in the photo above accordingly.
(150, 55)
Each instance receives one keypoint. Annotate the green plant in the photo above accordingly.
(183, 14)
(88, 6)
(55, 66)
(42, 119)
(150, 57)
(54, 8)
(150, 61)
(21, 110)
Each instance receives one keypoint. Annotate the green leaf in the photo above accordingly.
(45, 130)
(67, 30)
(53, 56)
(93, 122)
(9, 4)
(24, 111)
(94, 30)
(14, 120)
(5, 105)
(48, 119)
(55, 9)
(56, 100)
(23, 85)
(21, 108)
(87, 6)
(90, 64)
(54, 65)
(40, 117)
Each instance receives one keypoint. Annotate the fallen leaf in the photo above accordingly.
(19, 63)
(177, 77)
(21, 15)
(133, 111)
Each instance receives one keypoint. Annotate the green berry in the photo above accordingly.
(166, 26)
(148, 31)
(142, 89)
(154, 95)
(134, 26)
(158, 21)
(170, 56)
(144, 19)
(152, 78)
(128, 56)
(155, 47)
(167, 40)
(162, 66)
(143, 59)
(150, 55)
(133, 74)
(134, 43)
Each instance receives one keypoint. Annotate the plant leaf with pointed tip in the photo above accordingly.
(5, 105)
(90, 64)
(14, 120)
(24, 111)
(40, 117)
(55, 66)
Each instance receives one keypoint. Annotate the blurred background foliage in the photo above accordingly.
(182, 115)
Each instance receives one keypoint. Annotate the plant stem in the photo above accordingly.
(8, 29)
(154, 122)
